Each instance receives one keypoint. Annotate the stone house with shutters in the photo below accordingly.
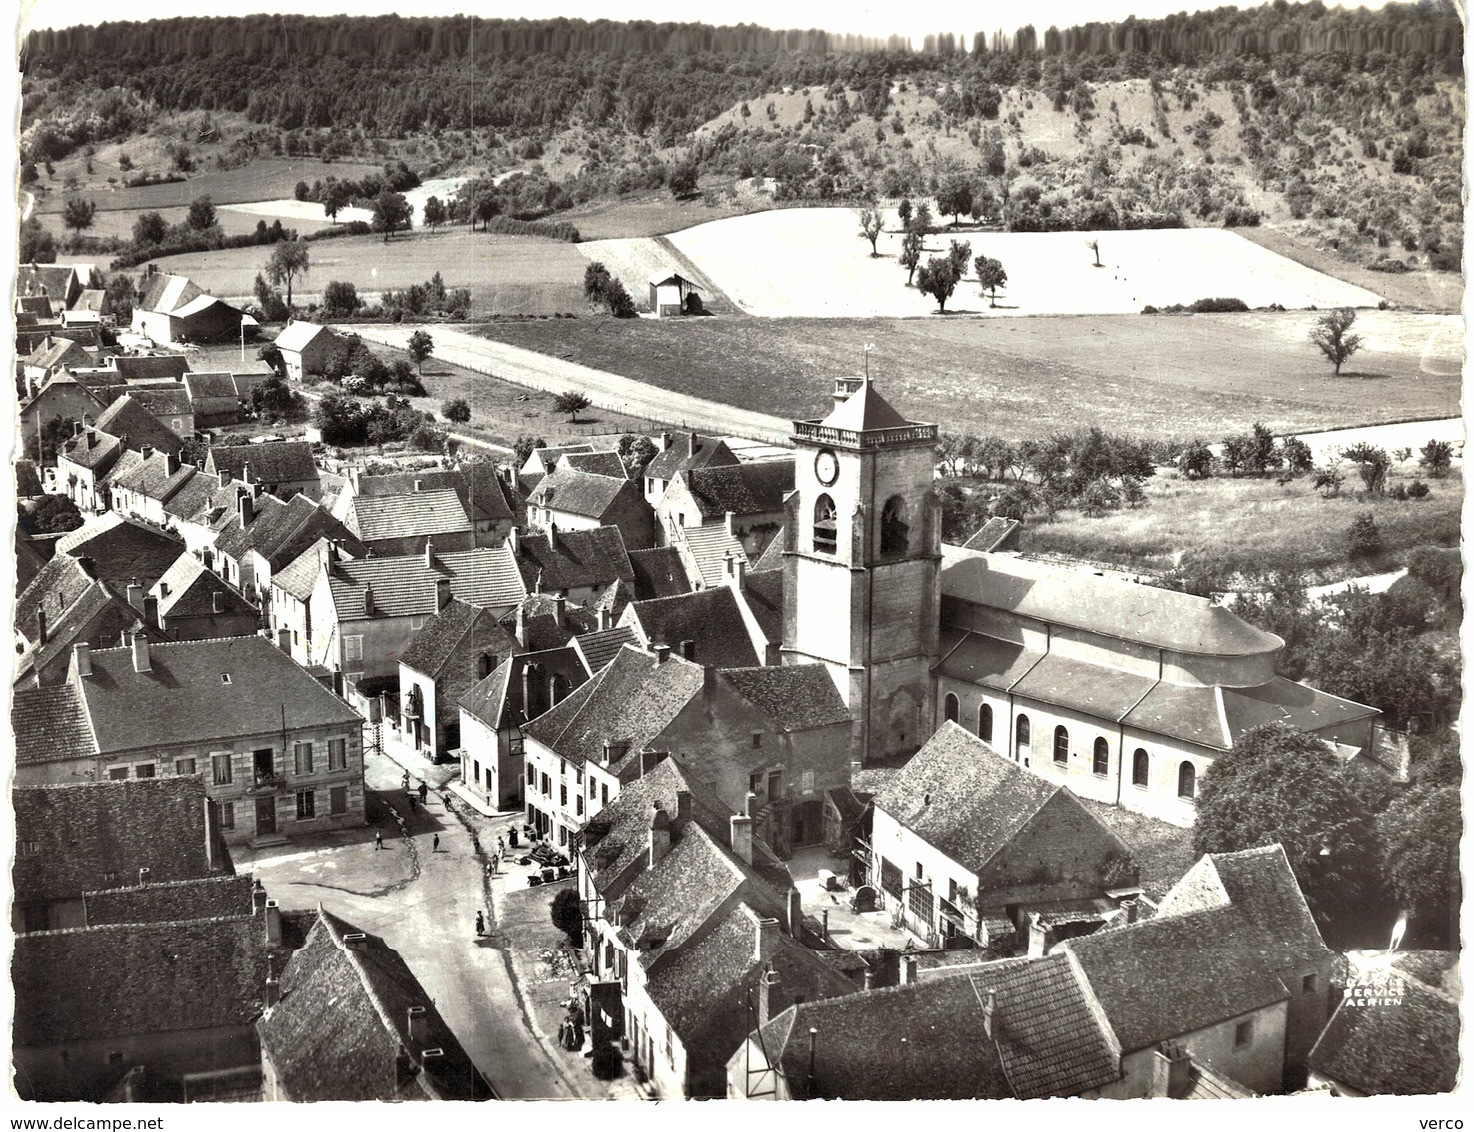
(745, 499)
(279, 753)
(570, 499)
(681, 452)
(458, 647)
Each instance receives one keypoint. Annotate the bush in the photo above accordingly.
(567, 915)
(1218, 306)
(1388, 264)
(457, 411)
(1364, 540)
(551, 229)
(1418, 490)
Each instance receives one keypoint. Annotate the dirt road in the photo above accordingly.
(604, 390)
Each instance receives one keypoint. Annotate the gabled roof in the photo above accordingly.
(92, 449)
(167, 293)
(497, 700)
(745, 489)
(122, 550)
(796, 697)
(709, 546)
(272, 525)
(572, 559)
(98, 616)
(59, 582)
(187, 589)
(632, 700)
(212, 386)
(477, 485)
(50, 725)
(545, 459)
(688, 450)
(864, 411)
(764, 596)
(540, 628)
(90, 301)
(299, 576)
(152, 476)
(163, 400)
(97, 835)
(602, 646)
(403, 586)
(658, 573)
(419, 515)
(55, 352)
(574, 492)
(148, 367)
(458, 626)
(57, 280)
(184, 697)
(205, 898)
(709, 618)
(485, 576)
(193, 497)
(595, 463)
(278, 461)
(298, 335)
(128, 420)
(340, 1031)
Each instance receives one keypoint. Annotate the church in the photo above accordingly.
(1124, 692)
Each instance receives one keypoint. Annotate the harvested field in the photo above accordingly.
(633, 261)
(812, 262)
(1148, 376)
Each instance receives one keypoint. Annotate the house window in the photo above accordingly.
(578, 805)
(1021, 737)
(1140, 767)
(1061, 745)
(184, 766)
(302, 757)
(775, 785)
(1243, 1034)
(547, 787)
(950, 708)
(1307, 984)
(890, 878)
(826, 528)
(143, 770)
(604, 795)
(985, 722)
(531, 775)
(806, 782)
(352, 649)
(895, 534)
(306, 804)
(1101, 763)
(220, 769)
(117, 773)
(337, 754)
(670, 1052)
(1187, 781)
(338, 800)
(563, 793)
(757, 740)
(227, 815)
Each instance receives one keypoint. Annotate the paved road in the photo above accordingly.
(605, 390)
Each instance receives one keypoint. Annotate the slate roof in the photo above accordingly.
(340, 1031)
(163, 400)
(794, 696)
(98, 616)
(120, 980)
(772, 556)
(477, 485)
(183, 699)
(196, 899)
(863, 411)
(152, 478)
(212, 387)
(1125, 610)
(658, 573)
(148, 367)
(50, 725)
(128, 420)
(298, 335)
(572, 559)
(688, 450)
(402, 586)
(457, 625)
(1094, 689)
(278, 461)
(764, 596)
(417, 515)
(746, 489)
(192, 498)
(709, 546)
(632, 699)
(595, 463)
(575, 492)
(486, 576)
(497, 700)
(93, 449)
(57, 352)
(122, 550)
(710, 618)
(187, 589)
(1407, 1048)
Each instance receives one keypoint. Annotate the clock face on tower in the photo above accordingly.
(826, 467)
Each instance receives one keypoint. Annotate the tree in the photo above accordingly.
(117, 298)
(1196, 460)
(921, 219)
(1094, 246)
(954, 195)
(524, 446)
(1364, 540)
(273, 399)
(457, 411)
(1437, 456)
(938, 278)
(336, 196)
(271, 355)
(870, 227)
(288, 260)
(1281, 785)
(391, 213)
(572, 402)
(682, 179)
(567, 915)
(636, 452)
(911, 254)
(36, 245)
(1419, 834)
(903, 212)
(420, 347)
(485, 208)
(340, 299)
(1328, 482)
(1296, 455)
(1372, 464)
(1332, 335)
(201, 215)
(596, 280)
(959, 253)
(51, 515)
(991, 276)
(620, 303)
(272, 307)
(434, 213)
(77, 214)
(150, 229)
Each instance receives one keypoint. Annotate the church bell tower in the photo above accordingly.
(862, 562)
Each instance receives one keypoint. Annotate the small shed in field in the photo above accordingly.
(670, 293)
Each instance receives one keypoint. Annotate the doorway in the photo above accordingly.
(265, 816)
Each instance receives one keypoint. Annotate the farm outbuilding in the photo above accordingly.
(305, 347)
(671, 293)
(174, 310)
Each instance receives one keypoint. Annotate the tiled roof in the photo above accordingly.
(456, 628)
(401, 587)
(416, 515)
(148, 367)
(668, 904)
(575, 492)
(708, 547)
(98, 616)
(595, 463)
(794, 696)
(1409, 1047)
(122, 980)
(122, 550)
(163, 400)
(764, 595)
(658, 573)
(573, 559)
(548, 457)
(128, 420)
(184, 699)
(212, 387)
(59, 351)
(340, 1031)
(600, 647)
(187, 589)
(497, 700)
(193, 497)
(28, 562)
(689, 450)
(863, 411)
(710, 618)
(1205, 1085)
(279, 461)
(746, 489)
(93, 449)
(152, 477)
(57, 279)
(59, 583)
(297, 335)
(50, 725)
(477, 485)
(540, 628)
(1143, 614)
(1094, 689)
(633, 699)
(167, 293)
(618, 836)
(153, 903)
(486, 576)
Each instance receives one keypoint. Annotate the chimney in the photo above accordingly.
(766, 944)
(224, 477)
(258, 897)
(139, 643)
(442, 591)
(795, 912)
(368, 601)
(990, 1006)
(83, 659)
(1038, 936)
(908, 970)
(171, 463)
(683, 806)
(418, 1026)
(429, 553)
(560, 604)
(741, 837)
(273, 924)
(688, 650)
(42, 636)
(273, 988)
(419, 486)
(730, 522)
(869, 977)
(151, 611)
(1130, 908)
(1171, 1068)
(146, 451)
(664, 441)
(659, 836)
(245, 506)
(649, 757)
(735, 571)
(246, 473)
(765, 983)
(662, 653)
(355, 941)
(135, 594)
(284, 639)
(604, 617)
(521, 632)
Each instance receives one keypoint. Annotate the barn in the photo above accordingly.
(671, 293)
(174, 310)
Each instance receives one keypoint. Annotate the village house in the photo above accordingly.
(168, 404)
(580, 565)
(119, 551)
(134, 367)
(82, 466)
(279, 752)
(457, 648)
(967, 845)
(405, 524)
(61, 398)
(481, 491)
(127, 419)
(142, 484)
(283, 468)
(305, 348)
(189, 603)
(541, 461)
(727, 625)
(173, 311)
(567, 499)
(745, 500)
(347, 1020)
(50, 358)
(672, 293)
(264, 534)
(682, 452)
(217, 398)
(57, 283)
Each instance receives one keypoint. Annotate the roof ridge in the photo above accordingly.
(358, 968)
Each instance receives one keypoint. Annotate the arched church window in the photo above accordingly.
(1102, 761)
(1140, 767)
(1061, 745)
(949, 708)
(1021, 737)
(1187, 781)
(895, 533)
(985, 723)
(826, 528)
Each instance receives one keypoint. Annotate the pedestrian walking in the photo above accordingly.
(424, 792)
(378, 839)
(435, 845)
(496, 863)
(411, 803)
(480, 924)
(406, 780)
(500, 846)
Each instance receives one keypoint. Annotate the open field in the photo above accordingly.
(633, 261)
(656, 213)
(1029, 377)
(234, 220)
(1272, 525)
(812, 263)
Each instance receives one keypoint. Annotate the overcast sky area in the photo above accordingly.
(961, 17)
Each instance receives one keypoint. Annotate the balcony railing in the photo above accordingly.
(821, 433)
